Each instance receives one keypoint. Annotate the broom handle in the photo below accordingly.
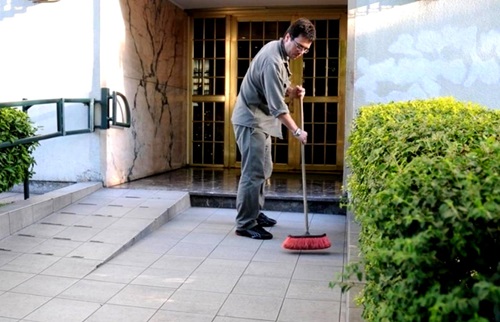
(303, 164)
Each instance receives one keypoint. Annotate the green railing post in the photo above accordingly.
(105, 108)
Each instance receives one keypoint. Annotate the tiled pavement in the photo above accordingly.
(146, 255)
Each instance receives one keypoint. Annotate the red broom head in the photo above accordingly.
(306, 242)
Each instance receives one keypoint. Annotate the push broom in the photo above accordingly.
(306, 241)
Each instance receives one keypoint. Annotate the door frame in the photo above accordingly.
(233, 16)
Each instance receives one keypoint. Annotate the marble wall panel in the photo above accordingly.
(155, 83)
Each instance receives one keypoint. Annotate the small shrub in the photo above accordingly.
(425, 188)
(15, 162)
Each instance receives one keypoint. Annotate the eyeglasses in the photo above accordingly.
(300, 47)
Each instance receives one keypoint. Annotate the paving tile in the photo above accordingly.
(275, 255)
(116, 211)
(316, 272)
(132, 224)
(222, 214)
(31, 263)
(110, 193)
(215, 282)
(94, 221)
(113, 236)
(63, 310)
(311, 311)
(130, 202)
(204, 238)
(62, 219)
(142, 296)
(171, 316)
(9, 279)
(265, 286)
(154, 244)
(199, 213)
(7, 256)
(95, 250)
(56, 247)
(199, 302)
(319, 258)
(179, 225)
(215, 226)
(42, 230)
(183, 263)
(242, 242)
(17, 306)
(92, 291)
(162, 277)
(121, 313)
(354, 315)
(269, 269)
(252, 307)
(173, 232)
(80, 209)
(233, 319)
(140, 193)
(45, 285)
(20, 244)
(72, 267)
(158, 203)
(145, 213)
(222, 266)
(313, 290)
(165, 194)
(133, 258)
(81, 234)
(191, 249)
(115, 273)
(232, 253)
(94, 199)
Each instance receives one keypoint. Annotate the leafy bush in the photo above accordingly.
(15, 162)
(425, 188)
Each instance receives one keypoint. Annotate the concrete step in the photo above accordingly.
(286, 203)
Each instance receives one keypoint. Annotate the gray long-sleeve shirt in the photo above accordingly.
(262, 92)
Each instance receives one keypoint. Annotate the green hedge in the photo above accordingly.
(425, 188)
(15, 162)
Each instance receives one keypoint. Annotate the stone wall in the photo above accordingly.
(154, 79)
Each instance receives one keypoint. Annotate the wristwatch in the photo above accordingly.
(297, 132)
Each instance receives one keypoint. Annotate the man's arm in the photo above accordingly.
(287, 120)
(298, 133)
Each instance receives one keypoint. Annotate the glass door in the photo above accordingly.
(223, 48)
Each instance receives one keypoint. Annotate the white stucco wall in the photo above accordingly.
(72, 48)
(48, 51)
(402, 50)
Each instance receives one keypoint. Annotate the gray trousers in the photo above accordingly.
(256, 168)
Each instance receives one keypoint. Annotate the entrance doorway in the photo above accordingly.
(223, 48)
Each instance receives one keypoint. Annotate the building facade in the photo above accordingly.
(180, 71)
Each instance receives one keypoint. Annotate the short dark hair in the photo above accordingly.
(304, 27)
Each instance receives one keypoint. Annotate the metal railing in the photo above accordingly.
(115, 114)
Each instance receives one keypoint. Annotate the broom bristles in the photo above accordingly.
(306, 242)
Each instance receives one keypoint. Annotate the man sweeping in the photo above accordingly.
(258, 114)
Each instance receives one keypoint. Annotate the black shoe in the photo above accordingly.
(265, 221)
(256, 232)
